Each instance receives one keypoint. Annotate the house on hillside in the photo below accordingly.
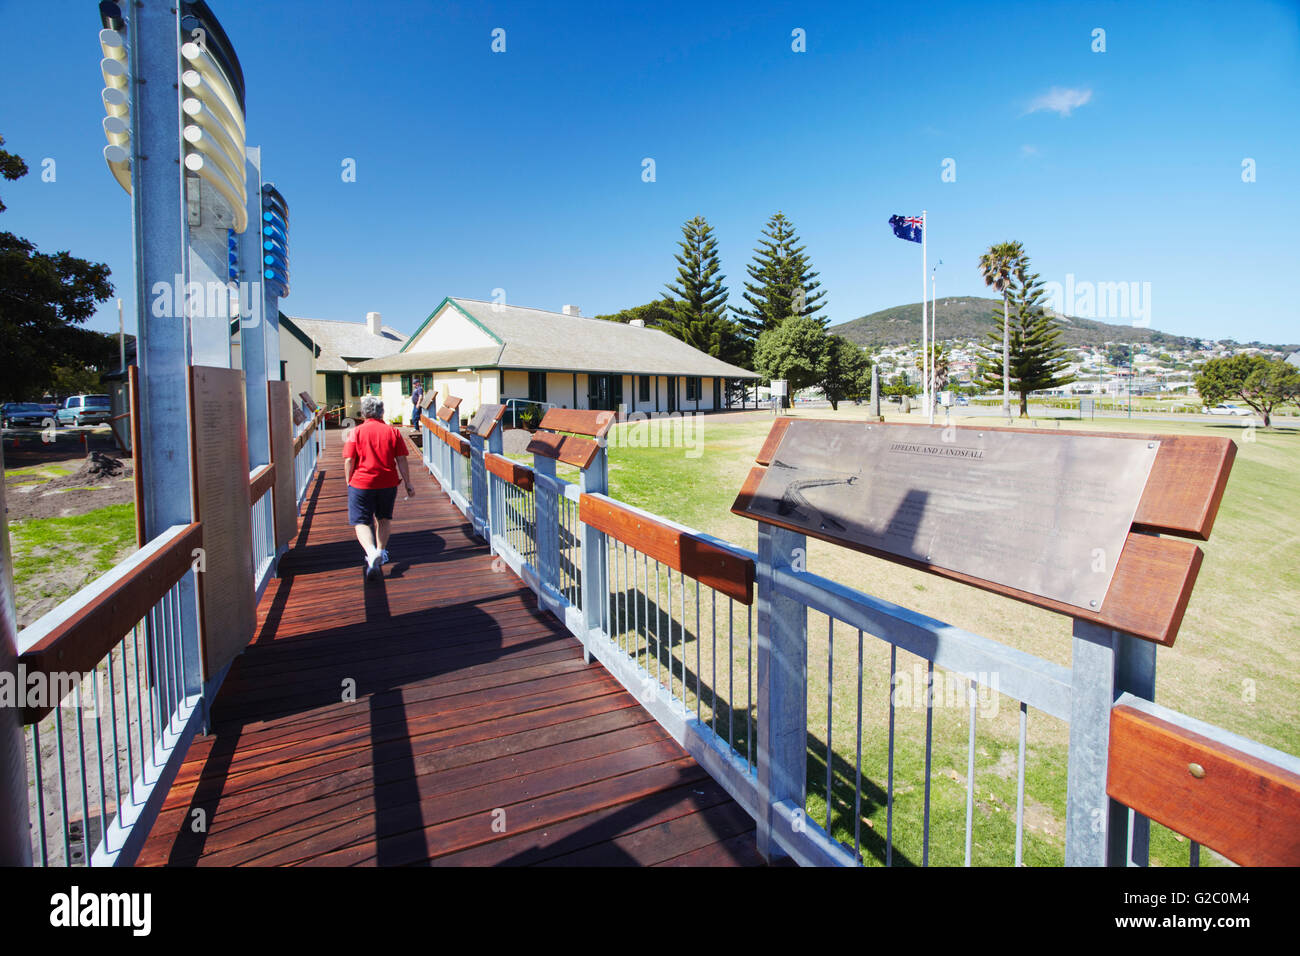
(489, 352)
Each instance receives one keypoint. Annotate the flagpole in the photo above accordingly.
(925, 359)
(934, 339)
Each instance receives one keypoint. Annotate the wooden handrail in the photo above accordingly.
(1232, 802)
(458, 444)
(260, 482)
(302, 437)
(688, 553)
(75, 636)
(521, 476)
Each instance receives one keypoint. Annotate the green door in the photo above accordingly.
(333, 389)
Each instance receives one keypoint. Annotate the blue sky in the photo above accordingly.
(522, 170)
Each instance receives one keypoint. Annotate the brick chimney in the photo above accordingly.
(374, 323)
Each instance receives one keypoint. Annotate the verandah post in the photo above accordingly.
(782, 686)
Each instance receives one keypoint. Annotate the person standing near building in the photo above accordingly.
(374, 464)
(417, 396)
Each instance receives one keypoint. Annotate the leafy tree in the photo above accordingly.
(996, 266)
(654, 314)
(900, 385)
(43, 298)
(1033, 357)
(699, 317)
(795, 350)
(1262, 383)
(783, 281)
(1118, 355)
(844, 370)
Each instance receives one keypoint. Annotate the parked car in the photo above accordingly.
(85, 410)
(23, 415)
(1226, 408)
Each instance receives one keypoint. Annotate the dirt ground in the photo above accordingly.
(34, 462)
(74, 494)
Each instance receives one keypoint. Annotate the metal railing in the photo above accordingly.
(105, 740)
(513, 405)
(955, 675)
(306, 456)
(689, 645)
(263, 530)
(853, 730)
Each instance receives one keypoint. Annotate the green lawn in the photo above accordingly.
(1234, 663)
(54, 557)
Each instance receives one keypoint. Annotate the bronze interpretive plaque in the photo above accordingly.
(220, 449)
(428, 400)
(486, 419)
(1043, 513)
(285, 503)
(308, 402)
(299, 416)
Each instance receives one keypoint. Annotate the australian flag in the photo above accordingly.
(906, 227)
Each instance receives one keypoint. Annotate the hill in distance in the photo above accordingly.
(966, 318)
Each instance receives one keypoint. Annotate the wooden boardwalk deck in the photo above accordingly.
(477, 735)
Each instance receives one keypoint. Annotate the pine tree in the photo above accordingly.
(700, 313)
(783, 281)
(1035, 355)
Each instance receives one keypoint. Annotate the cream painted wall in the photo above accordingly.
(299, 367)
(449, 330)
(463, 385)
(516, 384)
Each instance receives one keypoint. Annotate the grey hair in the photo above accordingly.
(372, 407)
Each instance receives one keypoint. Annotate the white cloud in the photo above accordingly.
(1028, 150)
(1060, 100)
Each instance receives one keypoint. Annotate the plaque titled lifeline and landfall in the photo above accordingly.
(1045, 513)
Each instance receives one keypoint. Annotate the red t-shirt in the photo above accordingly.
(375, 447)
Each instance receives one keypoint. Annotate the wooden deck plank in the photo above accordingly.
(469, 702)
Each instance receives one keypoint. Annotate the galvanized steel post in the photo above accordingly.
(547, 527)
(1105, 664)
(594, 591)
(782, 687)
(253, 351)
(159, 219)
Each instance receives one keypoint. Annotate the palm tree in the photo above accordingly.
(996, 265)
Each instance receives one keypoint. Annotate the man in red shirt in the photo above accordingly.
(374, 456)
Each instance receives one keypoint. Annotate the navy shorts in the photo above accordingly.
(366, 504)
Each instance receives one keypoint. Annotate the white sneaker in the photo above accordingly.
(373, 566)
(383, 557)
